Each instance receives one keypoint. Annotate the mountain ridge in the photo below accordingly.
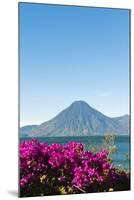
(79, 119)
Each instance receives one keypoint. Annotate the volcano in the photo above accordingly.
(79, 119)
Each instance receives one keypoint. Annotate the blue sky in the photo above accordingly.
(72, 53)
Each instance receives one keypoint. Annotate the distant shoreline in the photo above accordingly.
(36, 137)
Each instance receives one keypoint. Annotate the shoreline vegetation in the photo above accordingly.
(52, 169)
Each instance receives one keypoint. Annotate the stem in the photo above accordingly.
(79, 189)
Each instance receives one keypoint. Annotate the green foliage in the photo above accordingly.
(109, 143)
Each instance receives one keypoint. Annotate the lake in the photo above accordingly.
(122, 144)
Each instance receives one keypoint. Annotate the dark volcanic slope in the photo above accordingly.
(80, 119)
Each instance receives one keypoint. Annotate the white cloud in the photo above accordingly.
(105, 94)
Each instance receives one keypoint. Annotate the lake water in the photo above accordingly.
(120, 158)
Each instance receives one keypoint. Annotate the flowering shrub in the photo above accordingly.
(57, 169)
